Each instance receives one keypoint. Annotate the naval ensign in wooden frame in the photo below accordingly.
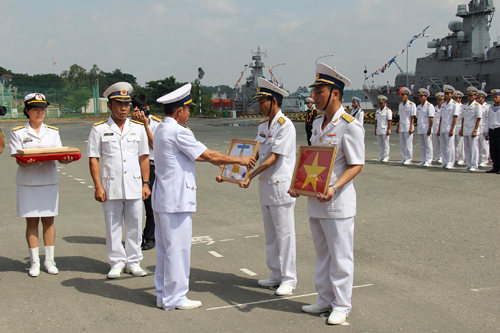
(236, 173)
(313, 170)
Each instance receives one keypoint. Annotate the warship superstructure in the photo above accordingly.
(463, 58)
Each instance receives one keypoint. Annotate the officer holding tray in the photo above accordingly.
(331, 216)
(123, 181)
(277, 160)
(174, 197)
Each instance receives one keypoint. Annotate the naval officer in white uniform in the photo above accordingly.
(383, 123)
(37, 191)
(459, 140)
(449, 114)
(484, 145)
(425, 116)
(436, 145)
(122, 184)
(174, 197)
(471, 119)
(357, 112)
(493, 134)
(277, 160)
(331, 217)
(407, 112)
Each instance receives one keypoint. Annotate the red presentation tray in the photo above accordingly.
(47, 157)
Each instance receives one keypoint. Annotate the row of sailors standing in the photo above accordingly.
(450, 130)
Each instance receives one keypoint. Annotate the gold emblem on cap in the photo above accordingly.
(258, 89)
(317, 75)
(38, 97)
(123, 92)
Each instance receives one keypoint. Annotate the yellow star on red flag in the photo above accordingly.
(313, 171)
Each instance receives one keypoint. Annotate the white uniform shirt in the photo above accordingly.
(279, 138)
(405, 113)
(119, 152)
(153, 124)
(359, 115)
(471, 112)
(25, 137)
(448, 111)
(176, 152)
(382, 117)
(424, 112)
(484, 120)
(459, 118)
(437, 116)
(348, 135)
(494, 117)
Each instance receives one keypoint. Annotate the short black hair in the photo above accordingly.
(140, 99)
(26, 109)
(279, 103)
(341, 92)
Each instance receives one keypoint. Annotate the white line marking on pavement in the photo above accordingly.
(247, 271)
(82, 182)
(91, 186)
(215, 254)
(273, 300)
(252, 236)
(479, 289)
(226, 240)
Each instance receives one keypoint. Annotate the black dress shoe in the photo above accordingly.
(150, 244)
(492, 171)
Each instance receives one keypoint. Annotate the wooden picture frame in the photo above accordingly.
(313, 170)
(235, 173)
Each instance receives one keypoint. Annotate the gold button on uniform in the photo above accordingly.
(320, 140)
(125, 172)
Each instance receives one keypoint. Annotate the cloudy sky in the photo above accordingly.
(156, 39)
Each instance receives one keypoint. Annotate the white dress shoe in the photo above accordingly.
(189, 304)
(314, 308)
(50, 267)
(483, 165)
(407, 162)
(114, 273)
(34, 269)
(268, 283)
(448, 167)
(440, 160)
(465, 168)
(379, 159)
(472, 169)
(421, 163)
(159, 305)
(385, 160)
(284, 290)
(426, 164)
(336, 318)
(136, 270)
(401, 162)
(461, 162)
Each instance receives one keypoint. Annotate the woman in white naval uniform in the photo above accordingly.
(331, 217)
(425, 116)
(383, 123)
(277, 160)
(446, 132)
(174, 197)
(37, 192)
(436, 145)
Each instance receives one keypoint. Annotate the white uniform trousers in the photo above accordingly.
(436, 143)
(447, 149)
(484, 149)
(406, 145)
(471, 151)
(173, 233)
(425, 142)
(384, 146)
(117, 213)
(333, 242)
(279, 227)
(459, 148)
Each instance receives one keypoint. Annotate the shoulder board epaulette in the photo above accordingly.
(100, 122)
(411, 102)
(156, 118)
(17, 128)
(427, 103)
(347, 117)
(281, 120)
(488, 104)
(454, 102)
(264, 120)
(53, 127)
(475, 103)
(137, 122)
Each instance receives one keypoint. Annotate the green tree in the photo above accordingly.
(206, 100)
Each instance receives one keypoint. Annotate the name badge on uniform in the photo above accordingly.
(108, 134)
(27, 139)
(132, 133)
(262, 134)
(270, 136)
(332, 134)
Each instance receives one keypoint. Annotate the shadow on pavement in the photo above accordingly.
(85, 240)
